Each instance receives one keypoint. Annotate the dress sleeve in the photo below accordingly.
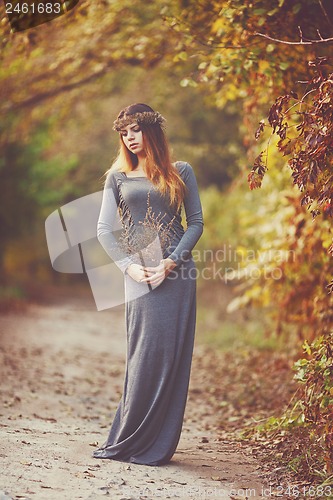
(109, 224)
(194, 219)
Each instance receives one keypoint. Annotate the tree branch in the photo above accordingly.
(325, 13)
(55, 91)
(41, 96)
(301, 42)
(197, 38)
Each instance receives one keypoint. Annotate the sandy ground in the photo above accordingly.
(62, 367)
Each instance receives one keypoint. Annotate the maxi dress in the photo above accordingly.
(160, 321)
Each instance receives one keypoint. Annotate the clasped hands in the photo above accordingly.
(152, 275)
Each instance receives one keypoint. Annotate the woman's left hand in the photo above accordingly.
(156, 275)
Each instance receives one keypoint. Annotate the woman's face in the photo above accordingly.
(133, 138)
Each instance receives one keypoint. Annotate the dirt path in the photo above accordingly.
(61, 367)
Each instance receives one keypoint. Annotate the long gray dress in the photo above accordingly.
(160, 321)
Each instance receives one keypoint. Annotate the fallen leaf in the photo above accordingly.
(48, 419)
(88, 473)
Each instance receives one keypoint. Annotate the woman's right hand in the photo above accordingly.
(137, 272)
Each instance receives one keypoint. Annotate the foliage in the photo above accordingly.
(303, 432)
(31, 183)
(290, 268)
(268, 248)
(279, 265)
(316, 403)
(304, 126)
(215, 44)
(63, 61)
(234, 60)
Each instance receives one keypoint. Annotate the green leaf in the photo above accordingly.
(259, 12)
(296, 8)
(284, 66)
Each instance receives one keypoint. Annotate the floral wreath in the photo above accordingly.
(147, 117)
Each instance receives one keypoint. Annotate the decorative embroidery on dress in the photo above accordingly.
(148, 243)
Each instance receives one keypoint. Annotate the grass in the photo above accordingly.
(11, 292)
(241, 330)
(12, 297)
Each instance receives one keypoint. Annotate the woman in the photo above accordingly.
(154, 252)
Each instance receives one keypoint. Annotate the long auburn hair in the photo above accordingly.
(158, 167)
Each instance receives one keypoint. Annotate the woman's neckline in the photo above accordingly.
(135, 176)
